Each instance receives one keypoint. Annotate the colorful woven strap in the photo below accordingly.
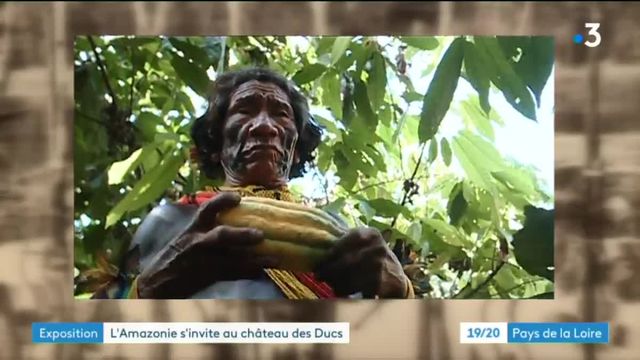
(133, 290)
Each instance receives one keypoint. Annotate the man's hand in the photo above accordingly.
(361, 261)
(204, 253)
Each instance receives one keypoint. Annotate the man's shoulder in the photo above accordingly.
(169, 211)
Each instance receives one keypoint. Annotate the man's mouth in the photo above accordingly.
(262, 147)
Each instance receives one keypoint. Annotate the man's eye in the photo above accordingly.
(283, 113)
(243, 111)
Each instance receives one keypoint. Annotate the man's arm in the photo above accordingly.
(158, 228)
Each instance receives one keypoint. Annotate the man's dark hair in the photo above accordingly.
(206, 131)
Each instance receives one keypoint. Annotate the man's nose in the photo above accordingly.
(263, 126)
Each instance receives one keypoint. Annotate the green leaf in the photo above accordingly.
(340, 45)
(348, 108)
(388, 208)
(506, 278)
(146, 123)
(213, 46)
(440, 93)
(535, 62)
(329, 125)
(377, 82)
(420, 42)
(348, 175)
(516, 180)
(335, 206)
(433, 150)
(190, 51)
(366, 210)
(309, 73)
(483, 260)
(505, 78)
(495, 117)
(547, 295)
(330, 83)
(360, 54)
(324, 157)
(448, 233)
(184, 102)
(439, 261)
(469, 192)
(139, 59)
(457, 205)
(385, 116)
(153, 46)
(370, 152)
(512, 46)
(400, 127)
(148, 189)
(363, 106)
(533, 244)
(119, 169)
(357, 157)
(395, 234)
(411, 96)
(163, 136)
(324, 45)
(445, 150)
(415, 232)
(473, 115)
(478, 158)
(477, 74)
(193, 75)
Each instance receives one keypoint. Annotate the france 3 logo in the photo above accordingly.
(593, 33)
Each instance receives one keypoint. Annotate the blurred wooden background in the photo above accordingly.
(597, 180)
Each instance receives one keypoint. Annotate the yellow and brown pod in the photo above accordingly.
(297, 235)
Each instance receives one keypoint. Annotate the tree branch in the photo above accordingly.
(103, 69)
(461, 290)
(483, 284)
(519, 286)
(407, 189)
(383, 183)
(398, 124)
(133, 78)
(325, 183)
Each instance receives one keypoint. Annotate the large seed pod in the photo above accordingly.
(298, 236)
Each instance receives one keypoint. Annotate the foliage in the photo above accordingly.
(456, 201)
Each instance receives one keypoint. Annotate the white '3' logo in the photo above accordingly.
(593, 31)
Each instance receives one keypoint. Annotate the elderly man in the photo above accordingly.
(258, 134)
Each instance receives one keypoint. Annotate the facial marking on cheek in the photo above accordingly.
(237, 157)
(289, 142)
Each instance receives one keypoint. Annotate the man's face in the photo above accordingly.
(259, 136)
